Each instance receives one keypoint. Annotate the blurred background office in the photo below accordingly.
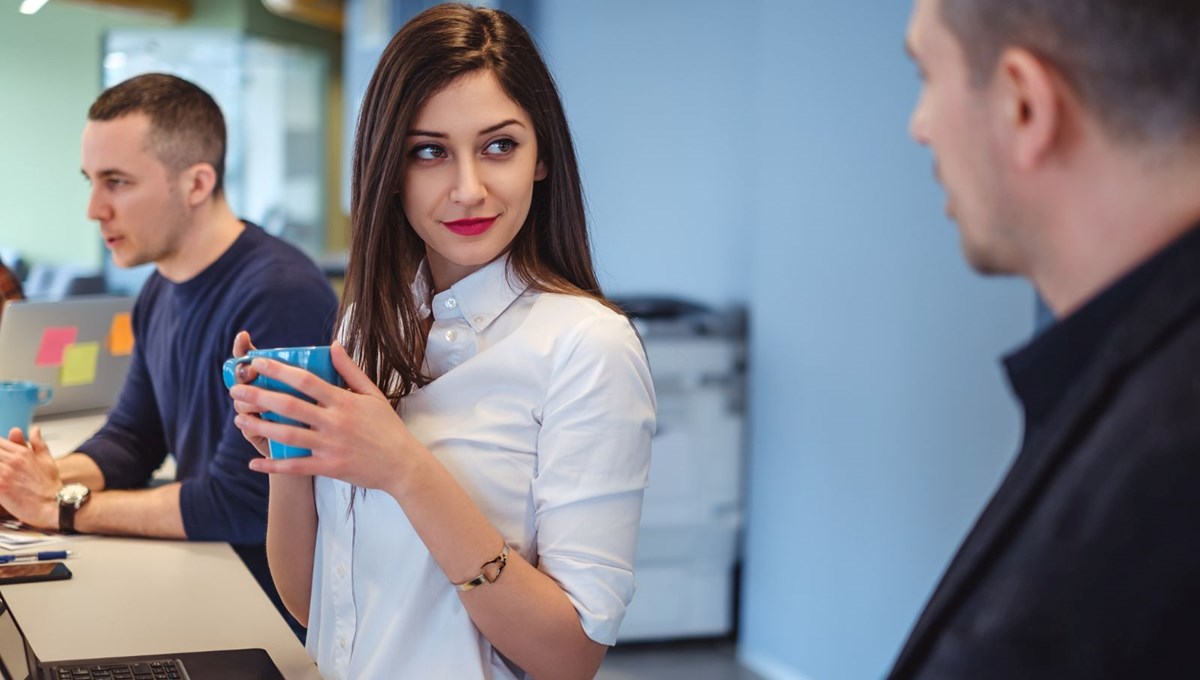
(749, 157)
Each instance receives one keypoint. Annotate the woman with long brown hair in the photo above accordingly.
(470, 508)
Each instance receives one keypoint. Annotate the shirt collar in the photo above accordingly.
(422, 289)
(1044, 370)
(479, 297)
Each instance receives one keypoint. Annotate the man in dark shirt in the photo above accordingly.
(153, 151)
(1067, 136)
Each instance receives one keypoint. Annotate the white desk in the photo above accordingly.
(135, 596)
(64, 433)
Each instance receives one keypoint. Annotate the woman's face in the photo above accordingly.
(468, 182)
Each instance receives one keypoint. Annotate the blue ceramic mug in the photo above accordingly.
(315, 360)
(18, 398)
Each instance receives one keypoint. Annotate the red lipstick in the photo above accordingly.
(472, 226)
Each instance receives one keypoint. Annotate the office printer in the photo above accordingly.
(688, 546)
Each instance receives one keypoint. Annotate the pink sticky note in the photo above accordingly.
(54, 340)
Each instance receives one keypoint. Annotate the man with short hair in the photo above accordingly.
(1067, 136)
(153, 151)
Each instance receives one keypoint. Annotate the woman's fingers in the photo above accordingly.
(246, 408)
(336, 422)
(258, 400)
(354, 377)
(242, 344)
(298, 379)
(285, 466)
(289, 435)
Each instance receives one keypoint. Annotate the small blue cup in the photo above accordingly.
(315, 360)
(18, 398)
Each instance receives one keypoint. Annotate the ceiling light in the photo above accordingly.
(31, 6)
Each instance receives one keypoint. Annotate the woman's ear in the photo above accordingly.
(540, 172)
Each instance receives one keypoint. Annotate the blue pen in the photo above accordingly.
(37, 557)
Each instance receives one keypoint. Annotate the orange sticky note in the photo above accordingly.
(120, 335)
(54, 339)
(79, 364)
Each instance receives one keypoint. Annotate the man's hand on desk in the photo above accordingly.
(29, 479)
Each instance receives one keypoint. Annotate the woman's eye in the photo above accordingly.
(428, 152)
(500, 147)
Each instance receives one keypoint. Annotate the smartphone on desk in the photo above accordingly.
(31, 572)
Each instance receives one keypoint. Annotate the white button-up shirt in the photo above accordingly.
(542, 408)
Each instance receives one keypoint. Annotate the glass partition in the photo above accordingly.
(273, 98)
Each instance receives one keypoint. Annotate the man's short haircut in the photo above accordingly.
(186, 125)
(1135, 64)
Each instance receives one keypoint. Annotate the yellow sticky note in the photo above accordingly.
(120, 335)
(79, 364)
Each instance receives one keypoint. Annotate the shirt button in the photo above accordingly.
(478, 320)
(451, 336)
(341, 570)
(451, 303)
(342, 642)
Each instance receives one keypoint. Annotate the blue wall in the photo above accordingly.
(757, 151)
(657, 94)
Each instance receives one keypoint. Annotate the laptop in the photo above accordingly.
(18, 662)
(78, 346)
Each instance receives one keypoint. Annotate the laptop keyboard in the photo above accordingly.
(155, 669)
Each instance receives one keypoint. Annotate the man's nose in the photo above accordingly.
(916, 123)
(97, 207)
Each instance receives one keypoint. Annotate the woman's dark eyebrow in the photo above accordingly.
(487, 130)
(497, 126)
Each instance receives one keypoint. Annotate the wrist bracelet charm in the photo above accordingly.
(489, 572)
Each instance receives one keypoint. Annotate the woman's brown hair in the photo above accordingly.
(550, 253)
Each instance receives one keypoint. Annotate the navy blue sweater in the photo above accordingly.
(174, 401)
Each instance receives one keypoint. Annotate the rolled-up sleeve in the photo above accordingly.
(593, 464)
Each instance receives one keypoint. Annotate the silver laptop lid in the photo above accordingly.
(78, 346)
(14, 653)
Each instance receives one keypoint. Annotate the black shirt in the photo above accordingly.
(1043, 371)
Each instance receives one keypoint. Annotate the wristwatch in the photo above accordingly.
(70, 498)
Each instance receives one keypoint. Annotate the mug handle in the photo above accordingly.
(44, 394)
(229, 370)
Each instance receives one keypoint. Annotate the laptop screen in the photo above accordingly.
(79, 347)
(14, 654)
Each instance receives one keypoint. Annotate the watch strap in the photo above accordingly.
(66, 517)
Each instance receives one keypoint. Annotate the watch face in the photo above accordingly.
(72, 493)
